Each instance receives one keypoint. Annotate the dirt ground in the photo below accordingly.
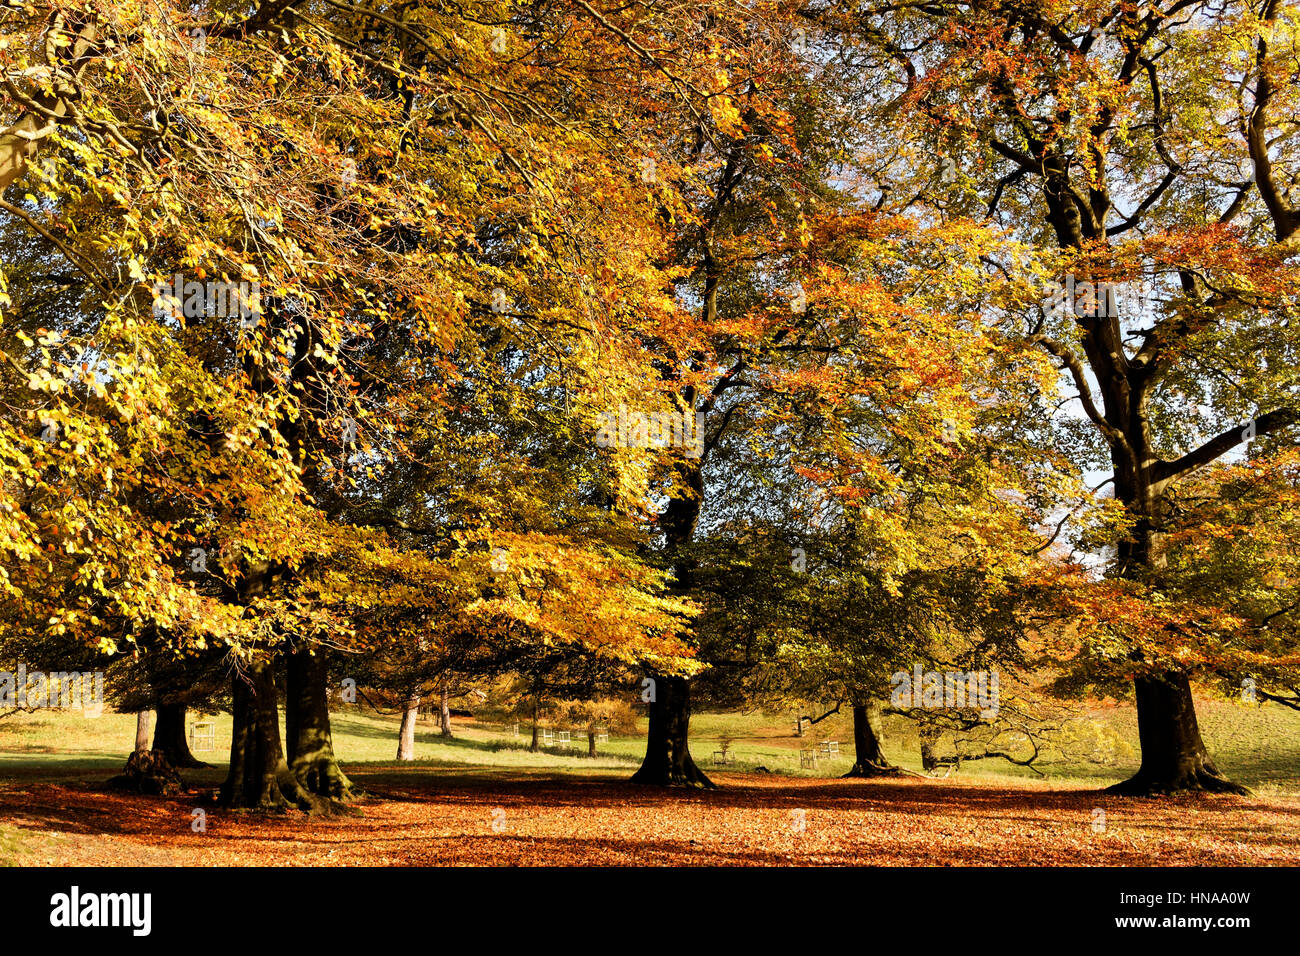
(435, 817)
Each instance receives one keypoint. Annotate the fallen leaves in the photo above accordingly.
(435, 817)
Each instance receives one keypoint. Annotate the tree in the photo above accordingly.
(406, 732)
(142, 721)
(1113, 145)
(376, 208)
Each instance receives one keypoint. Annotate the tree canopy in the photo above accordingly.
(764, 349)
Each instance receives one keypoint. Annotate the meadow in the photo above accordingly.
(481, 796)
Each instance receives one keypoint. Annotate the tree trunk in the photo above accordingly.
(668, 760)
(406, 736)
(444, 713)
(1174, 757)
(868, 743)
(170, 737)
(928, 739)
(591, 741)
(307, 726)
(533, 745)
(259, 778)
(142, 720)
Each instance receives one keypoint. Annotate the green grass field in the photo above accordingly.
(1259, 746)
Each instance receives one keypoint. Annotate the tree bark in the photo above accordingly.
(868, 743)
(406, 736)
(307, 726)
(1174, 757)
(19, 143)
(259, 778)
(142, 721)
(668, 760)
(533, 745)
(928, 761)
(444, 712)
(591, 741)
(170, 737)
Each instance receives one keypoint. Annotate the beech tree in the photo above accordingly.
(315, 322)
(366, 174)
(1132, 142)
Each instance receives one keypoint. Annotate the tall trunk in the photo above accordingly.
(259, 777)
(406, 736)
(928, 739)
(307, 726)
(668, 760)
(868, 742)
(533, 745)
(591, 741)
(142, 720)
(1174, 757)
(444, 712)
(169, 736)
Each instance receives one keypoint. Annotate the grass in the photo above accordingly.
(1259, 746)
(439, 808)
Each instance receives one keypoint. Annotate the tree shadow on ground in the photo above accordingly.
(425, 815)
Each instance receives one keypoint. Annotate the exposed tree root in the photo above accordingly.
(865, 769)
(1204, 779)
(689, 776)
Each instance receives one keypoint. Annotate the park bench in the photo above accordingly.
(808, 758)
(831, 748)
(563, 739)
(724, 756)
(546, 736)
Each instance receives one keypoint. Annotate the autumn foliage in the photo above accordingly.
(314, 319)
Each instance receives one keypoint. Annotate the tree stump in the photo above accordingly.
(148, 771)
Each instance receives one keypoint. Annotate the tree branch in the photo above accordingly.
(1223, 443)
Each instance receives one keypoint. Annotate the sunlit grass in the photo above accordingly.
(1259, 746)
